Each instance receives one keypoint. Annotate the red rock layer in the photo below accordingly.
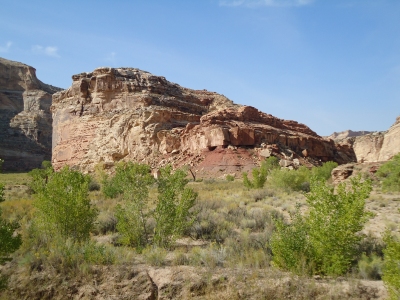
(128, 114)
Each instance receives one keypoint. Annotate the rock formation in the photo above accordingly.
(110, 115)
(25, 119)
(374, 146)
(347, 133)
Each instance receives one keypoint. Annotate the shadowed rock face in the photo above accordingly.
(25, 119)
(111, 114)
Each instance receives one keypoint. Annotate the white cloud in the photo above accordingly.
(6, 47)
(276, 3)
(49, 50)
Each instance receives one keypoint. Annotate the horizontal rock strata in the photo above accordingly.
(25, 119)
(110, 115)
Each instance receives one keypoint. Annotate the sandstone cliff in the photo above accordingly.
(111, 114)
(346, 134)
(25, 119)
(374, 146)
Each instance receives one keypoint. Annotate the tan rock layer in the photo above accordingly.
(110, 115)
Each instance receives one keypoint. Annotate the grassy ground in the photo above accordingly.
(224, 255)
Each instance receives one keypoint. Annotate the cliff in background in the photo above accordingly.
(25, 119)
(114, 114)
(374, 146)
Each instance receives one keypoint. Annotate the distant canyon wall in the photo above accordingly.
(374, 146)
(25, 119)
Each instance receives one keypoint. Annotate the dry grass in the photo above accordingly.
(231, 257)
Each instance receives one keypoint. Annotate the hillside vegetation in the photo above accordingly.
(278, 234)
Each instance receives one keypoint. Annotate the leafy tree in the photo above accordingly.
(63, 205)
(173, 210)
(331, 229)
(260, 174)
(391, 269)
(133, 181)
(334, 220)
(390, 173)
(289, 243)
(40, 176)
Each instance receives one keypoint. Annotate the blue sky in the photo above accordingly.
(330, 64)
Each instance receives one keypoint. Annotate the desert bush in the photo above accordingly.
(260, 174)
(391, 270)
(291, 180)
(230, 177)
(180, 258)
(390, 174)
(155, 256)
(326, 240)
(93, 185)
(248, 250)
(106, 222)
(324, 171)
(370, 267)
(173, 213)
(212, 256)
(63, 205)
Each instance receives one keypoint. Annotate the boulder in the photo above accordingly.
(342, 172)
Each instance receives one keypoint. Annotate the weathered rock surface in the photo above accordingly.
(375, 146)
(346, 134)
(342, 172)
(391, 142)
(25, 119)
(111, 114)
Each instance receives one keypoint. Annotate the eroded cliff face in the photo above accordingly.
(25, 119)
(111, 114)
(374, 146)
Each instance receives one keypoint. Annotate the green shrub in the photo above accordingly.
(324, 171)
(291, 180)
(390, 174)
(370, 267)
(326, 240)
(173, 213)
(391, 270)
(132, 180)
(63, 205)
(260, 174)
(230, 177)
(290, 245)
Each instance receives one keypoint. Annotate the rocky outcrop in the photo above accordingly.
(375, 146)
(342, 172)
(346, 134)
(25, 119)
(111, 114)
(391, 142)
